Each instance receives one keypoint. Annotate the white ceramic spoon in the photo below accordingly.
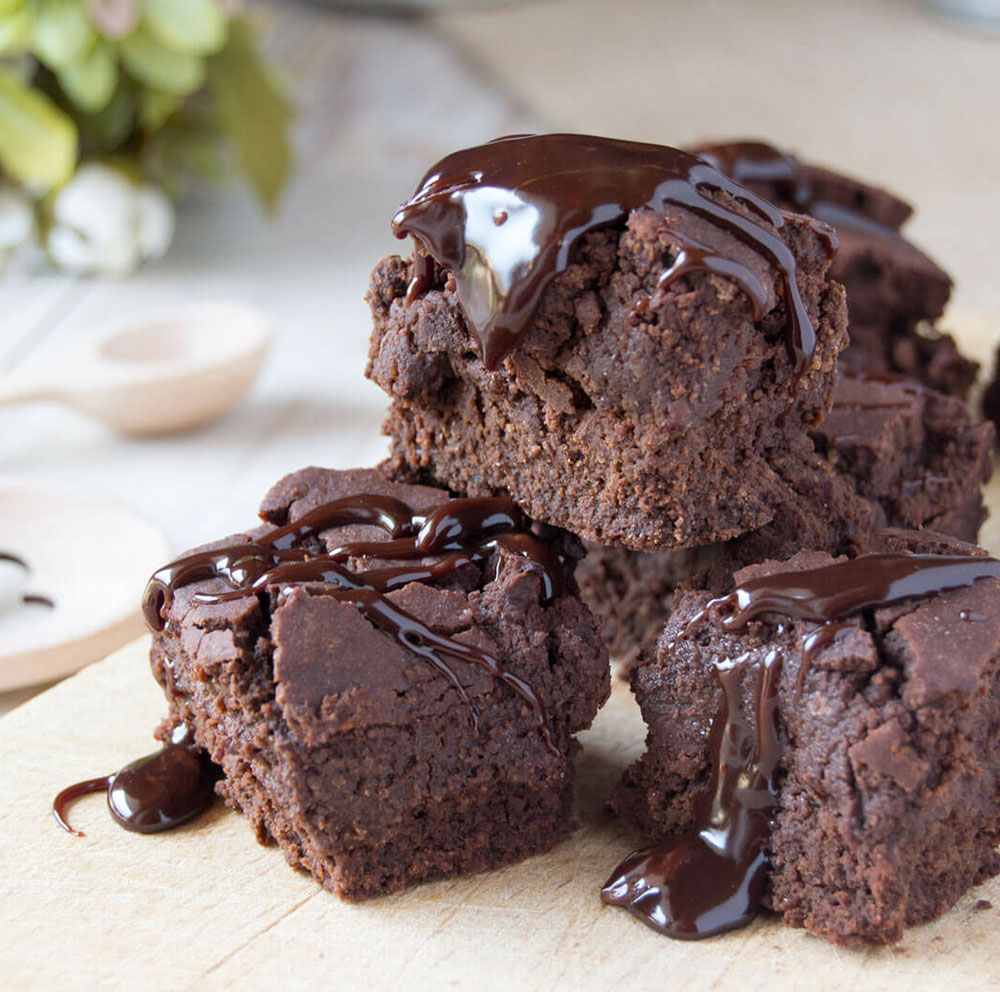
(87, 561)
(155, 375)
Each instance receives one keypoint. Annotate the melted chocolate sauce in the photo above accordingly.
(757, 161)
(505, 217)
(158, 792)
(459, 532)
(28, 598)
(845, 588)
(711, 879)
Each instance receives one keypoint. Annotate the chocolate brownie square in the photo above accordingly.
(389, 678)
(858, 706)
(654, 381)
(898, 454)
(895, 292)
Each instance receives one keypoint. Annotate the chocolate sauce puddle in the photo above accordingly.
(504, 218)
(157, 792)
(460, 532)
(712, 879)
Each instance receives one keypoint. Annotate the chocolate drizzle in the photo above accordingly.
(505, 217)
(846, 588)
(458, 533)
(157, 792)
(756, 161)
(28, 598)
(711, 879)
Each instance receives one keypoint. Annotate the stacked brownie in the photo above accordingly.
(630, 362)
(657, 396)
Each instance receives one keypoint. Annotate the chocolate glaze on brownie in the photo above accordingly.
(888, 787)
(647, 397)
(894, 291)
(372, 765)
(505, 218)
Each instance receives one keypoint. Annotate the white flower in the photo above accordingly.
(156, 221)
(104, 224)
(17, 219)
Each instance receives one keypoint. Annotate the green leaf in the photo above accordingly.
(15, 32)
(109, 129)
(253, 113)
(155, 108)
(90, 83)
(175, 154)
(8, 7)
(193, 26)
(62, 33)
(37, 140)
(160, 67)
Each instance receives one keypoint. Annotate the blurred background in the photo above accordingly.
(183, 175)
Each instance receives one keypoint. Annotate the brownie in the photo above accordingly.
(915, 451)
(632, 591)
(885, 800)
(895, 292)
(991, 395)
(380, 756)
(911, 452)
(647, 400)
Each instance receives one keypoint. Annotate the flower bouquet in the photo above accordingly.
(109, 107)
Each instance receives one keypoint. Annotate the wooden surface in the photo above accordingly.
(206, 907)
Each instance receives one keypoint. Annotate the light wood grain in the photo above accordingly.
(207, 907)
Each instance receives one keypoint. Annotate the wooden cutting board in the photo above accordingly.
(206, 907)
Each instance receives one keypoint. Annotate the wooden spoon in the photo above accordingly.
(164, 373)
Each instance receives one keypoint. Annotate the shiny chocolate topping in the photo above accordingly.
(29, 598)
(504, 218)
(846, 588)
(457, 533)
(158, 792)
(711, 879)
(757, 161)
